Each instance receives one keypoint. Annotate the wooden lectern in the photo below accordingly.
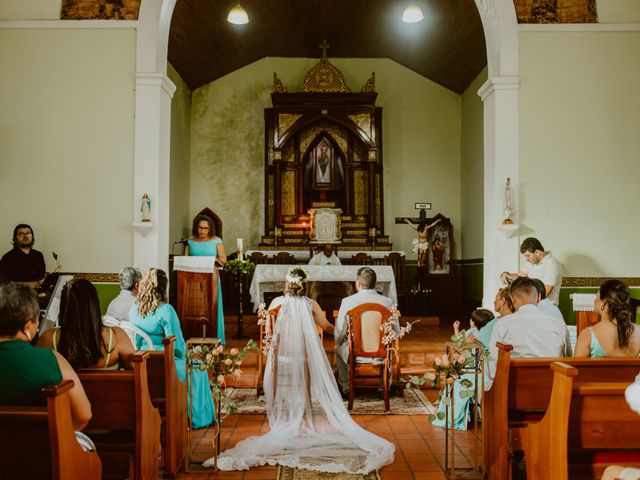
(583, 304)
(197, 295)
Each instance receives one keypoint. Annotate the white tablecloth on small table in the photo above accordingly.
(270, 278)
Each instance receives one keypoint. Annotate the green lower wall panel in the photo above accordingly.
(106, 293)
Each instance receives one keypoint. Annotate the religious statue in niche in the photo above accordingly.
(440, 251)
(438, 254)
(323, 165)
(145, 208)
(421, 244)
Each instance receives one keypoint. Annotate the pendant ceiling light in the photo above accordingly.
(238, 15)
(412, 14)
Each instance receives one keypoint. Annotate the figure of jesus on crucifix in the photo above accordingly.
(421, 244)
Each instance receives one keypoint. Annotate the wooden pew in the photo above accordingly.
(597, 429)
(38, 442)
(125, 422)
(521, 392)
(168, 395)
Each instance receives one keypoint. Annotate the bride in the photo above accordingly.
(310, 426)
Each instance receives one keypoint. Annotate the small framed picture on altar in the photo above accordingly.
(440, 255)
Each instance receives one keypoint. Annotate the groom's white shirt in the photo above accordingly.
(340, 332)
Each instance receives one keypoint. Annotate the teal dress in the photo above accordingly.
(595, 349)
(210, 249)
(163, 322)
(462, 406)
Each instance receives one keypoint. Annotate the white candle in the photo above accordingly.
(239, 248)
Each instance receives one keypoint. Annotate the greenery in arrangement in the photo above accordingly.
(237, 267)
(449, 368)
(221, 363)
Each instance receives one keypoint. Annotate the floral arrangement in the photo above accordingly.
(389, 334)
(222, 363)
(263, 319)
(237, 267)
(297, 275)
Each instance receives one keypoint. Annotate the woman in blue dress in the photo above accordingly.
(205, 243)
(616, 334)
(157, 318)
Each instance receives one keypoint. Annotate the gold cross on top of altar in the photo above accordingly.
(324, 46)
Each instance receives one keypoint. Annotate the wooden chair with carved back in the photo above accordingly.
(125, 424)
(361, 259)
(370, 362)
(396, 261)
(283, 258)
(168, 395)
(39, 442)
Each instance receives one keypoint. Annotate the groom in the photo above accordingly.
(365, 286)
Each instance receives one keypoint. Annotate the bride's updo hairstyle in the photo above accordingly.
(616, 295)
(152, 291)
(296, 281)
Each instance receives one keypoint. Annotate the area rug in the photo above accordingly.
(412, 402)
(288, 473)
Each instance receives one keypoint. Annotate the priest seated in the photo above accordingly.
(325, 257)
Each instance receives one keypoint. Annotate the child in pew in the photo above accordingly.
(481, 322)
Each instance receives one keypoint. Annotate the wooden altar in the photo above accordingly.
(323, 149)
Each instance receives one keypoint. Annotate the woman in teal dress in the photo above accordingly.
(204, 243)
(158, 319)
(616, 334)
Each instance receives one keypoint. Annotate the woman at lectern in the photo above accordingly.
(157, 318)
(205, 243)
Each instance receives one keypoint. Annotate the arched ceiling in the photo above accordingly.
(447, 47)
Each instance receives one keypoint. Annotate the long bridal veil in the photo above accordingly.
(310, 426)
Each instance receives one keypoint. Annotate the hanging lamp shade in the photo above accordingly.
(238, 15)
(412, 14)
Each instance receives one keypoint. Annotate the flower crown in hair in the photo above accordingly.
(297, 275)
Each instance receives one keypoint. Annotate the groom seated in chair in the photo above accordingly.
(366, 293)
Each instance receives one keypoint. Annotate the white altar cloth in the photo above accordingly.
(303, 255)
(270, 278)
(194, 264)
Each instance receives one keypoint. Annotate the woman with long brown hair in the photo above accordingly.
(616, 335)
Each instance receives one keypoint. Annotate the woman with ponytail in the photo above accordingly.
(158, 319)
(616, 335)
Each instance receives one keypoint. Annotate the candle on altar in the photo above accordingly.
(239, 248)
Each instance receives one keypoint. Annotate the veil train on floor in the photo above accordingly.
(310, 427)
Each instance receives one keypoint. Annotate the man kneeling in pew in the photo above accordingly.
(532, 332)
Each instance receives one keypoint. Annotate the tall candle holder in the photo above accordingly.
(372, 236)
(277, 233)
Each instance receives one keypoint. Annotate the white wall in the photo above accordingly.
(618, 11)
(421, 143)
(180, 163)
(472, 172)
(30, 9)
(66, 143)
(579, 144)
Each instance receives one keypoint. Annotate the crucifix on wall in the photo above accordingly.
(420, 225)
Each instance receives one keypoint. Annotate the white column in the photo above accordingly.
(151, 168)
(501, 248)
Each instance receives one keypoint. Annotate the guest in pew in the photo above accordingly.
(205, 243)
(482, 322)
(24, 369)
(82, 338)
(549, 308)
(502, 304)
(616, 335)
(120, 306)
(531, 332)
(158, 319)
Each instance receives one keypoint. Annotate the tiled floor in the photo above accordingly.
(420, 448)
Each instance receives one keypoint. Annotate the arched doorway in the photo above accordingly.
(499, 94)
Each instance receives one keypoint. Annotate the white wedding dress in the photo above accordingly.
(310, 426)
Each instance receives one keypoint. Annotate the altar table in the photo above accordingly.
(270, 278)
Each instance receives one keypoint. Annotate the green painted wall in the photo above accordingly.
(66, 143)
(421, 143)
(180, 160)
(472, 188)
(566, 306)
(579, 144)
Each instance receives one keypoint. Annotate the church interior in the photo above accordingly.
(340, 123)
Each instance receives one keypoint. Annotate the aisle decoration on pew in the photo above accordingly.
(221, 364)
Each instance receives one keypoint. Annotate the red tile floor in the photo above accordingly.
(420, 447)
